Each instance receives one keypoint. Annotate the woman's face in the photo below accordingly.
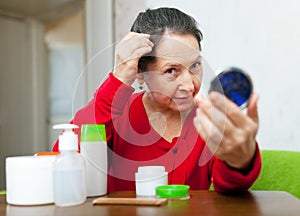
(175, 77)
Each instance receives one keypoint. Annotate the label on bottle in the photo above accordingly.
(95, 156)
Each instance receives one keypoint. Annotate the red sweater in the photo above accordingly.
(133, 142)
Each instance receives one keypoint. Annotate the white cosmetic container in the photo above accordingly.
(148, 178)
(68, 170)
(29, 180)
(93, 149)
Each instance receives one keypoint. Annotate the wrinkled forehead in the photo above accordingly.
(178, 48)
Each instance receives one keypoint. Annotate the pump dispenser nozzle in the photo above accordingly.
(68, 140)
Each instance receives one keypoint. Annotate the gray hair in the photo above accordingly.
(156, 22)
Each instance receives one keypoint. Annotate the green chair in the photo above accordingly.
(280, 171)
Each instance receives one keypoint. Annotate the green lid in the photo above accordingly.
(173, 191)
(93, 133)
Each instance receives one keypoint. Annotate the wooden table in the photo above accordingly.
(200, 203)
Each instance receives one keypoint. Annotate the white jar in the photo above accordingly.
(29, 180)
(148, 178)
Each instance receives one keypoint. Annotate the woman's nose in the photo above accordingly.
(186, 81)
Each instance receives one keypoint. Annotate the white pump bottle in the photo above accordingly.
(69, 170)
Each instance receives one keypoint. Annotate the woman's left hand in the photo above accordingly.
(229, 133)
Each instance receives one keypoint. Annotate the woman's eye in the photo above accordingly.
(195, 65)
(170, 71)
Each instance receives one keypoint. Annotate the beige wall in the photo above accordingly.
(68, 31)
(22, 89)
(67, 88)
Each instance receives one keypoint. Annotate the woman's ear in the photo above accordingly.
(140, 77)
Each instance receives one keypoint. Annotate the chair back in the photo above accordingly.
(280, 171)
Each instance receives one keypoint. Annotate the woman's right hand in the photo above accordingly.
(127, 54)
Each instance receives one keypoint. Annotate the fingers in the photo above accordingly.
(230, 109)
(227, 131)
(135, 34)
(137, 40)
(127, 54)
(133, 45)
(139, 52)
(208, 131)
(216, 116)
(252, 108)
(226, 117)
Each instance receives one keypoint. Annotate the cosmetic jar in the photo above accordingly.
(29, 180)
(148, 178)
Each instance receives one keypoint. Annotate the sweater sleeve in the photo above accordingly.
(109, 100)
(227, 179)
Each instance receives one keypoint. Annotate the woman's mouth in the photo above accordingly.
(183, 99)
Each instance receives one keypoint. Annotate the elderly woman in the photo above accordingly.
(198, 141)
